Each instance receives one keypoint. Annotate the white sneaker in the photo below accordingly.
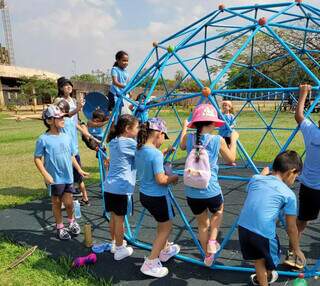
(272, 279)
(122, 252)
(169, 252)
(154, 268)
(113, 245)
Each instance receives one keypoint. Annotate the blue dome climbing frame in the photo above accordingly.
(195, 49)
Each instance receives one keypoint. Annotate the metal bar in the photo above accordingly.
(267, 78)
(240, 15)
(138, 225)
(186, 60)
(260, 6)
(305, 68)
(173, 100)
(295, 28)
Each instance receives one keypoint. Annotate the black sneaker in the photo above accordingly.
(63, 234)
(293, 261)
(273, 278)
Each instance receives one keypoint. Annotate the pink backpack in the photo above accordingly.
(197, 174)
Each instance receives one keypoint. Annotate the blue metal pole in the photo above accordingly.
(261, 6)
(241, 15)
(295, 28)
(138, 225)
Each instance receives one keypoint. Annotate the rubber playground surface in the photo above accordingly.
(32, 224)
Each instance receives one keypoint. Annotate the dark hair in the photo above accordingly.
(125, 120)
(64, 106)
(90, 143)
(99, 114)
(144, 133)
(119, 56)
(286, 161)
(199, 126)
(46, 124)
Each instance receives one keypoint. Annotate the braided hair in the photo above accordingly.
(199, 126)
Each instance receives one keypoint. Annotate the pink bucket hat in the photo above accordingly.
(205, 112)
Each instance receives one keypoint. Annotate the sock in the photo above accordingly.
(60, 225)
(70, 220)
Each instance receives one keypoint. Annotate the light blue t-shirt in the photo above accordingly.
(213, 149)
(121, 177)
(57, 151)
(267, 197)
(223, 130)
(96, 132)
(310, 176)
(149, 162)
(70, 126)
(122, 77)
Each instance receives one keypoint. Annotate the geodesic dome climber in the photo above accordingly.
(254, 38)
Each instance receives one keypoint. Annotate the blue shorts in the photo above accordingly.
(254, 246)
(77, 178)
(60, 189)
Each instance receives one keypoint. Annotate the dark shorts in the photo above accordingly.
(77, 178)
(118, 204)
(228, 140)
(254, 246)
(59, 189)
(159, 207)
(111, 98)
(198, 206)
(309, 203)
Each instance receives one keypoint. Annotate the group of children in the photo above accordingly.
(135, 155)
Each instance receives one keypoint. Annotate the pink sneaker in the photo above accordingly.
(169, 252)
(208, 260)
(213, 246)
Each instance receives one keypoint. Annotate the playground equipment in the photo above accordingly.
(195, 49)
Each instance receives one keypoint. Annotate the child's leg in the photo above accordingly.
(215, 223)
(112, 226)
(56, 209)
(261, 271)
(203, 227)
(163, 232)
(67, 199)
(118, 229)
(83, 191)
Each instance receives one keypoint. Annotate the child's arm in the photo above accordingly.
(304, 90)
(265, 171)
(229, 153)
(47, 177)
(183, 141)
(91, 123)
(163, 179)
(168, 150)
(80, 104)
(292, 231)
(78, 168)
(117, 83)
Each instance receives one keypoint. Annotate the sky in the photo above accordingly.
(78, 36)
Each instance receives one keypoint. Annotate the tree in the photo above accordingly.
(85, 77)
(283, 71)
(34, 88)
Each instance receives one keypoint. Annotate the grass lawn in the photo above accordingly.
(39, 269)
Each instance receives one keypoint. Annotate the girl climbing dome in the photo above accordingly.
(120, 181)
(154, 194)
(202, 188)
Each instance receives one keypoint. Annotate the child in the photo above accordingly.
(267, 197)
(227, 111)
(204, 120)
(119, 76)
(54, 157)
(154, 194)
(309, 195)
(71, 128)
(120, 181)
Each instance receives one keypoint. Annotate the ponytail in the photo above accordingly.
(119, 56)
(144, 134)
(124, 121)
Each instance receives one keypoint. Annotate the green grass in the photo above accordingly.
(39, 269)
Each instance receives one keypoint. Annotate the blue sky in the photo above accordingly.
(50, 34)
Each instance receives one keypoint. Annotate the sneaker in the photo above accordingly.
(293, 261)
(154, 268)
(63, 234)
(74, 228)
(113, 245)
(122, 252)
(213, 246)
(273, 278)
(208, 260)
(168, 252)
